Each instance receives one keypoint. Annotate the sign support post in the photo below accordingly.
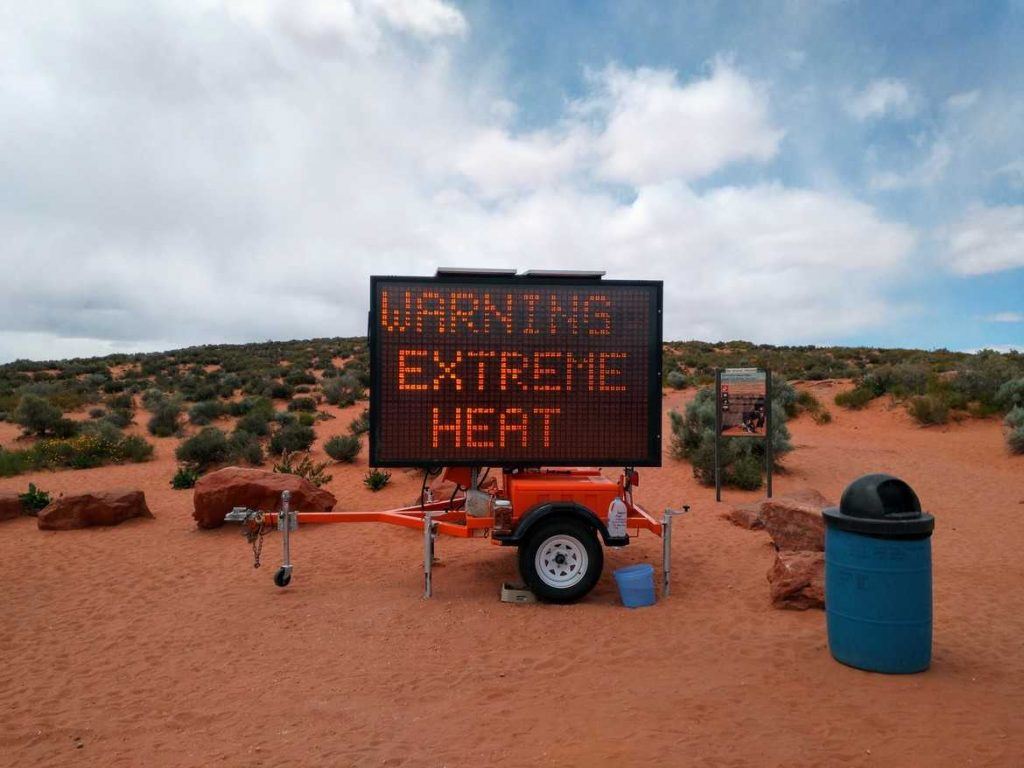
(769, 460)
(718, 433)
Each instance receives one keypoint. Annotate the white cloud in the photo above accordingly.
(1013, 172)
(961, 101)
(880, 98)
(656, 130)
(244, 184)
(1006, 317)
(930, 170)
(987, 239)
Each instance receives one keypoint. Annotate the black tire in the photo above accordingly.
(282, 577)
(570, 579)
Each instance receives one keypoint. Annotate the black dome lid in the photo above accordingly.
(880, 505)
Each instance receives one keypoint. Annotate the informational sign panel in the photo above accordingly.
(743, 398)
(514, 371)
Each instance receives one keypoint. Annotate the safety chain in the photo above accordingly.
(254, 529)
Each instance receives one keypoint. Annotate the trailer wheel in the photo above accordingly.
(561, 561)
(282, 577)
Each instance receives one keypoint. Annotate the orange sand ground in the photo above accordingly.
(157, 644)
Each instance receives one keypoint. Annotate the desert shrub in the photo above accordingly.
(306, 419)
(283, 418)
(299, 378)
(97, 413)
(676, 379)
(37, 415)
(102, 429)
(122, 402)
(361, 424)
(202, 413)
(119, 418)
(305, 468)
(152, 398)
(1015, 418)
(806, 402)
(856, 398)
(255, 423)
(343, 448)
(1010, 394)
(33, 500)
(1015, 440)
(784, 394)
(205, 449)
(87, 451)
(693, 439)
(280, 391)
(376, 479)
(344, 390)
(928, 410)
(245, 446)
(291, 438)
(185, 477)
(901, 380)
(164, 421)
(135, 449)
(302, 404)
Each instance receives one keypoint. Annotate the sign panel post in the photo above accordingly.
(515, 371)
(743, 409)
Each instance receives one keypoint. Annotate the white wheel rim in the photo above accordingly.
(561, 562)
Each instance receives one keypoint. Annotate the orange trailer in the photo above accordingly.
(538, 373)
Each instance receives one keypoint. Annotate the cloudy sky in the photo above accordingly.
(175, 172)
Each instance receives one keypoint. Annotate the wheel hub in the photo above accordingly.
(561, 561)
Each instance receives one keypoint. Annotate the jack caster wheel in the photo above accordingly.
(282, 577)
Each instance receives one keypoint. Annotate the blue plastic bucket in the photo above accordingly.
(636, 585)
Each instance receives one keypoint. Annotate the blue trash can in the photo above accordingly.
(636, 585)
(878, 577)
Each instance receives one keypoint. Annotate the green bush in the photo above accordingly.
(306, 419)
(361, 424)
(291, 438)
(245, 447)
(119, 418)
(1015, 418)
(97, 413)
(205, 449)
(1011, 394)
(185, 477)
(344, 390)
(206, 411)
(164, 422)
(693, 439)
(37, 415)
(306, 468)
(33, 500)
(280, 391)
(302, 404)
(376, 479)
(856, 398)
(1015, 440)
(343, 448)
(676, 379)
(82, 452)
(928, 410)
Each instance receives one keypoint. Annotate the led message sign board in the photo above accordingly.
(514, 371)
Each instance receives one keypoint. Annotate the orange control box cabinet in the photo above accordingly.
(588, 488)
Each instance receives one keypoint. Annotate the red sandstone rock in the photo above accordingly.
(794, 521)
(746, 516)
(83, 510)
(10, 505)
(216, 494)
(797, 580)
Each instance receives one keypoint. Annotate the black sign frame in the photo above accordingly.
(651, 458)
